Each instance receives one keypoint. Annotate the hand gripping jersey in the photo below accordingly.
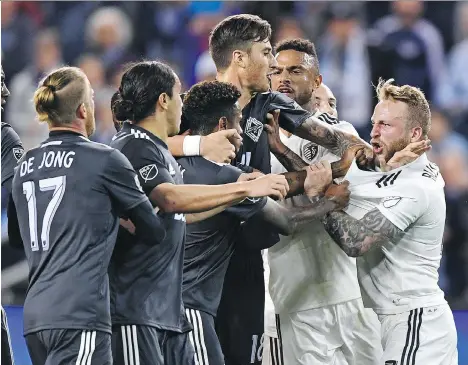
(255, 151)
(323, 274)
(401, 276)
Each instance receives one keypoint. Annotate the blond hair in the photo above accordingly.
(60, 94)
(419, 113)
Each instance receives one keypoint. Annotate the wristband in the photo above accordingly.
(191, 145)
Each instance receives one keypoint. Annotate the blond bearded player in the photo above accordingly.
(394, 225)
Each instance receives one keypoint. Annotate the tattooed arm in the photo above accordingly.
(333, 139)
(356, 237)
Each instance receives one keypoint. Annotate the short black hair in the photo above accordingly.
(299, 45)
(117, 123)
(140, 88)
(206, 102)
(236, 32)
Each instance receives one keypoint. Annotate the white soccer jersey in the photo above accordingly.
(308, 270)
(401, 276)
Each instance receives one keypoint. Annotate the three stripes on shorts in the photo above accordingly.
(87, 347)
(197, 337)
(408, 357)
(131, 352)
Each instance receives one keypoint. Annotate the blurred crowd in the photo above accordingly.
(424, 44)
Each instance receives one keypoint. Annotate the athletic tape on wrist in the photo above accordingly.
(191, 145)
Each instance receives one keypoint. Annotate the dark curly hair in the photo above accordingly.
(299, 45)
(208, 101)
(140, 88)
(236, 32)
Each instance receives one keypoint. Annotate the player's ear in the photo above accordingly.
(222, 124)
(416, 134)
(81, 112)
(318, 81)
(163, 101)
(239, 58)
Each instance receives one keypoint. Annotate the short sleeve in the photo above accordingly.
(149, 163)
(249, 206)
(406, 209)
(122, 183)
(12, 151)
(291, 114)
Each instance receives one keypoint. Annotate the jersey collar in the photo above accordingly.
(127, 127)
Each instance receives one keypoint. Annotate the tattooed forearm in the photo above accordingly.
(290, 160)
(287, 220)
(356, 237)
(296, 182)
(325, 135)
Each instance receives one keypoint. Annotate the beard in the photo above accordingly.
(396, 146)
(90, 123)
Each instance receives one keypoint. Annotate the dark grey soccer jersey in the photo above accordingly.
(68, 194)
(210, 243)
(146, 282)
(12, 151)
(255, 151)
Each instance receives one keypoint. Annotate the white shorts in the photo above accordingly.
(272, 351)
(419, 337)
(341, 334)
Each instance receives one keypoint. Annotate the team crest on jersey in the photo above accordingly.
(310, 151)
(149, 172)
(253, 129)
(18, 152)
(391, 201)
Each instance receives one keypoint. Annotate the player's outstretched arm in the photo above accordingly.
(288, 220)
(356, 237)
(219, 147)
(173, 198)
(337, 141)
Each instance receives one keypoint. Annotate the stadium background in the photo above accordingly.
(424, 44)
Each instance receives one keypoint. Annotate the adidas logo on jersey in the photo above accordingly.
(387, 180)
(139, 134)
(327, 118)
(253, 129)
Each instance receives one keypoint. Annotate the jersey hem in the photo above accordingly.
(68, 327)
(406, 308)
(178, 329)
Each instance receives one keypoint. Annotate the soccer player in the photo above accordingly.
(67, 196)
(150, 310)
(394, 225)
(212, 106)
(320, 312)
(241, 49)
(12, 151)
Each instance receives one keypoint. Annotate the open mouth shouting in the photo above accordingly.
(377, 147)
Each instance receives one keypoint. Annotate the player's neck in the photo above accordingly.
(155, 126)
(76, 128)
(309, 106)
(231, 76)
